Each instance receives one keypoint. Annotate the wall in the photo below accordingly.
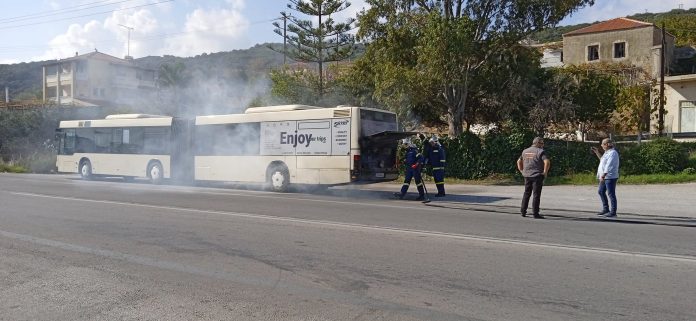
(677, 89)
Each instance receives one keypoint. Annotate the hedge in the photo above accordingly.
(473, 157)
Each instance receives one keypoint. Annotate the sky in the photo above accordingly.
(36, 30)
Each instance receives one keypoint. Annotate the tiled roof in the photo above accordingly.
(610, 25)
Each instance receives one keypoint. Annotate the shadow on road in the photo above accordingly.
(574, 215)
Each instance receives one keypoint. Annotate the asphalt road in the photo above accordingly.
(107, 250)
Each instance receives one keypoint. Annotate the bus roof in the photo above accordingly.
(118, 122)
(133, 116)
(270, 109)
(278, 115)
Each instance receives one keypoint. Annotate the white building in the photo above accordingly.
(97, 79)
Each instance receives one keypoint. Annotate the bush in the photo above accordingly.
(689, 171)
(11, 167)
(658, 156)
(463, 156)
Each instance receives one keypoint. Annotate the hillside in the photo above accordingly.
(24, 79)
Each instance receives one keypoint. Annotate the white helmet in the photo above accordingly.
(433, 139)
(407, 141)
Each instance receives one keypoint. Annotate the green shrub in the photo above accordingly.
(658, 156)
(11, 167)
(689, 171)
(495, 154)
(463, 156)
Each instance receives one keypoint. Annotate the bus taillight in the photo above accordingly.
(356, 168)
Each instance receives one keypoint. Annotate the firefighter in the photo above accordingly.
(436, 158)
(413, 161)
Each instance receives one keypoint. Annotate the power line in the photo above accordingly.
(87, 15)
(60, 11)
(31, 48)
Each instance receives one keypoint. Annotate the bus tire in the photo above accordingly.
(279, 178)
(86, 169)
(155, 173)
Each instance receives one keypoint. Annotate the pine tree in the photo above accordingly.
(324, 41)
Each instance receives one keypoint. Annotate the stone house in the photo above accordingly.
(620, 40)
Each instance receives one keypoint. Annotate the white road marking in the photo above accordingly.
(364, 227)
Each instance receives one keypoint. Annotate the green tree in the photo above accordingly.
(594, 96)
(325, 41)
(461, 38)
(634, 108)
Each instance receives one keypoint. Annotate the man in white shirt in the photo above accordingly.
(608, 175)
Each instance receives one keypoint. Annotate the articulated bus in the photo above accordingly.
(128, 145)
(277, 145)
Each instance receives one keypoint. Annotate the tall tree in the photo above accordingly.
(465, 35)
(325, 41)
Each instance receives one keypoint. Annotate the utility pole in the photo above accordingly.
(285, 37)
(128, 46)
(661, 111)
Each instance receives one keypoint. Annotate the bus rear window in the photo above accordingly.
(373, 122)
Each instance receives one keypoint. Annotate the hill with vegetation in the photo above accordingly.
(24, 79)
(679, 22)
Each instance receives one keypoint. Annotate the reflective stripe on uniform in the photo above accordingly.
(419, 184)
(439, 183)
(406, 184)
(436, 168)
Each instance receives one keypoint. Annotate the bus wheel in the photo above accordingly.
(279, 179)
(155, 173)
(86, 170)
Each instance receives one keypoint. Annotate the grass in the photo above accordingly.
(11, 168)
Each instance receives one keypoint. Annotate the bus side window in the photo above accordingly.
(156, 141)
(133, 140)
(102, 140)
(84, 140)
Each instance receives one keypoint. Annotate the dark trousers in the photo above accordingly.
(608, 186)
(532, 185)
(439, 176)
(410, 174)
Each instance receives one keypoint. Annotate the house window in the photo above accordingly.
(687, 116)
(592, 53)
(620, 50)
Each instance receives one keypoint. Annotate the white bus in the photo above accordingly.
(127, 145)
(278, 145)
(297, 144)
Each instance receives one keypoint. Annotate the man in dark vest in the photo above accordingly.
(534, 166)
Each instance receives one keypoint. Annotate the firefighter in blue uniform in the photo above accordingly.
(413, 161)
(435, 156)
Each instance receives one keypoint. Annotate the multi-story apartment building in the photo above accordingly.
(621, 40)
(97, 79)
